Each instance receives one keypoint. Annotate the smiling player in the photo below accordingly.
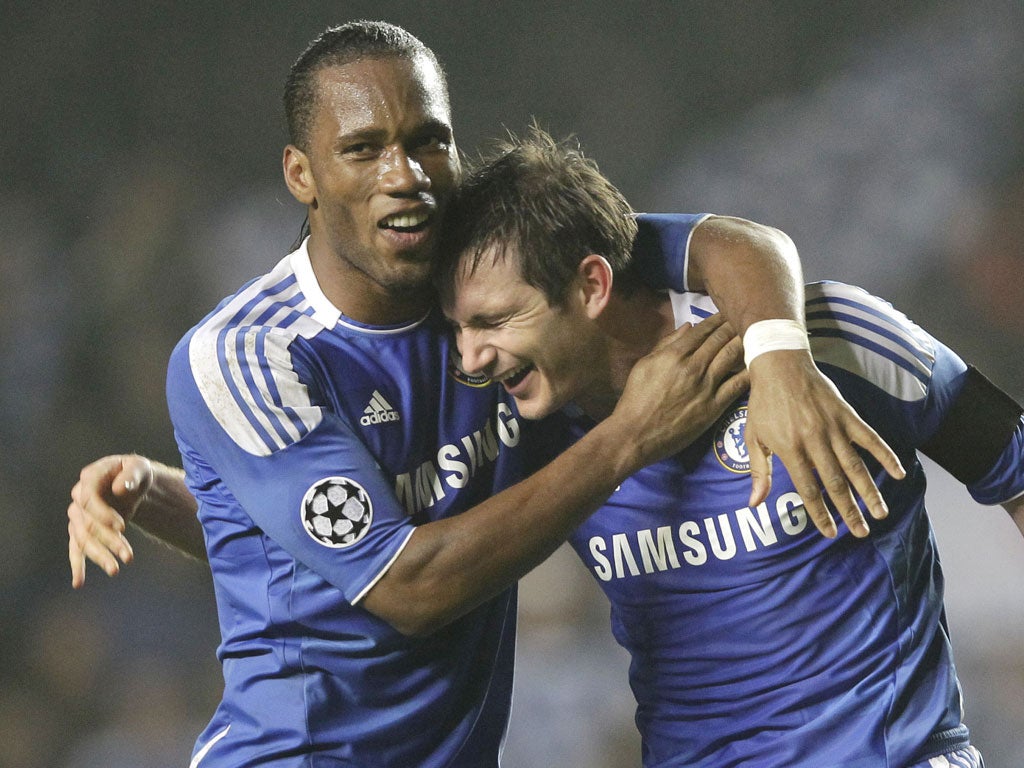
(754, 641)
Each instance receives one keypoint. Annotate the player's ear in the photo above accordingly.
(595, 274)
(298, 175)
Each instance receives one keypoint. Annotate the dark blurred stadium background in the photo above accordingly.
(140, 157)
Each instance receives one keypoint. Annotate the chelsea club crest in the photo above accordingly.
(456, 372)
(730, 444)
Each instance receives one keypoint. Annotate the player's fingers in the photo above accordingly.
(864, 436)
(728, 359)
(89, 547)
(735, 384)
(100, 473)
(760, 473)
(101, 517)
(678, 336)
(834, 481)
(806, 484)
(709, 326)
(860, 478)
(125, 551)
(76, 559)
(688, 338)
(102, 557)
(100, 525)
(712, 349)
(720, 345)
(94, 508)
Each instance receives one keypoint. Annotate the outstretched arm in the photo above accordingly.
(753, 273)
(116, 490)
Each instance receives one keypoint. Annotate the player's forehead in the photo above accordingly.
(489, 282)
(379, 91)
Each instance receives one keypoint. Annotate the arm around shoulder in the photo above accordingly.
(753, 274)
(750, 270)
(450, 566)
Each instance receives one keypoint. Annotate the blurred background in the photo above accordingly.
(141, 176)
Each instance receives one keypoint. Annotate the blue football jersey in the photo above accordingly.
(314, 444)
(755, 641)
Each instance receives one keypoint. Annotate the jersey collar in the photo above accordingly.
(324, 312)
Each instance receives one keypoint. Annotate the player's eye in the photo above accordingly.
(363, 149)
(432, 143)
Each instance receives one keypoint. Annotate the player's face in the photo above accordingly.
(383, 163)
(544, 356)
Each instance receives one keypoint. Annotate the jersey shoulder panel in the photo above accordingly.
(240, 358)
(661, 249)
(859, 333)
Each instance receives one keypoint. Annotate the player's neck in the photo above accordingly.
(362, 298)
(633, 325)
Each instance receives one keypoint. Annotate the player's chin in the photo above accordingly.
(534, 408)
(410, 275)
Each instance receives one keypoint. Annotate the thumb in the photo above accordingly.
(134, 478)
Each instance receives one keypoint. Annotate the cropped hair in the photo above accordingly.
(337, 46)
(546, 205)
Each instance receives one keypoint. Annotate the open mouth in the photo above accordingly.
(515, 378)
(405, 222)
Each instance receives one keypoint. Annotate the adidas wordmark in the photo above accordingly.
(378, 411)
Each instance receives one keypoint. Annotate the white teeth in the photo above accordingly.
(509, 374)
(405, 220)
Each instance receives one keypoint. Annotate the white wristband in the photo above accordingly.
(771, 336)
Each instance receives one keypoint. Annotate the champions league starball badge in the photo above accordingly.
(336, 512)
(730, 442)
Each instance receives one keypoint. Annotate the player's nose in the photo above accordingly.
(403, 173)
(477, 354)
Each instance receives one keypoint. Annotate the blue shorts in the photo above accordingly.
(968, 757)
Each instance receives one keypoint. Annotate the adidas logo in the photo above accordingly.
(378, 411)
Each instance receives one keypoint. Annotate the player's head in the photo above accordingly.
(528, 254)
(372, 155)
(544, 204)
(335, 47)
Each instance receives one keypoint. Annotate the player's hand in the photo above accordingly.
(103, 501)
(678, 390)
(798, 415)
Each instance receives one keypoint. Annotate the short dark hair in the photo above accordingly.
(547, 203)
(335, 47)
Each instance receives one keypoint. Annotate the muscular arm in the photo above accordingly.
(450, 566)
(753, 273)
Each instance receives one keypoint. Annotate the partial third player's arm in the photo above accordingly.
(116, 490)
